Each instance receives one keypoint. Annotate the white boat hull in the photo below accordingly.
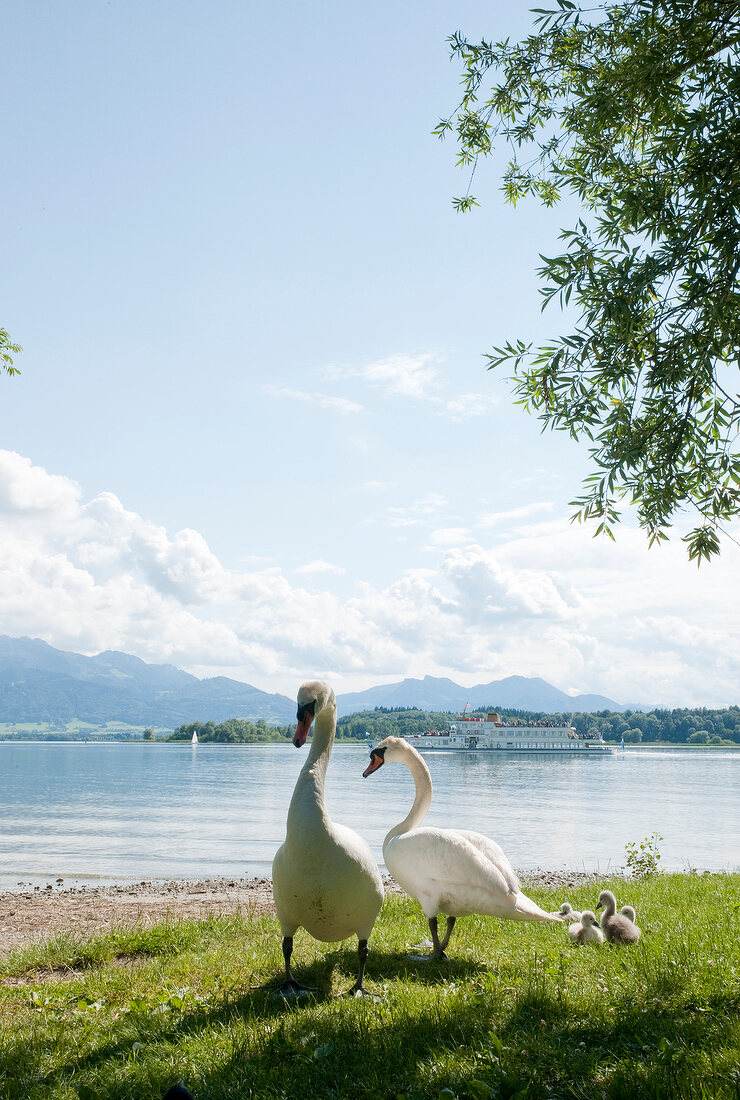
(491, 735)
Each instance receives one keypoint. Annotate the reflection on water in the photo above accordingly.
(118, 812)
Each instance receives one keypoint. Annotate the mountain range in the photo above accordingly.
(439, 693)
(40, 684)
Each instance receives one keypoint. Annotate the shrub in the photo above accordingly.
(643, 858)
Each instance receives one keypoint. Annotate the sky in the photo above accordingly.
(254, 434)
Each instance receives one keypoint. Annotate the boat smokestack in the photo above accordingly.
(494, 716)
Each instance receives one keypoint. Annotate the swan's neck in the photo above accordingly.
(422, 799)
(610, 907)
(307, 806)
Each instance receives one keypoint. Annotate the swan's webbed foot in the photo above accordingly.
(292, 990)
(358, 989)
(419, 949)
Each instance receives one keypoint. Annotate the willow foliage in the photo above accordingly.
(7, 350)
(633, 107)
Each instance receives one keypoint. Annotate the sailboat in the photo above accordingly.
(194, 738)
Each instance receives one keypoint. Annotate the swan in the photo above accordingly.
(324, 876)
(587, 931)
(448, 871)
(617, 927)
(567, 913)
(628, 912)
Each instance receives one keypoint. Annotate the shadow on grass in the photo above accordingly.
(662, 1047)
(638, 1053)
(274, 1017)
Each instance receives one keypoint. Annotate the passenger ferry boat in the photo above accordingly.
(492, 734)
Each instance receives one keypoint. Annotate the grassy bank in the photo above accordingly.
(73, 731)
(517, 1011)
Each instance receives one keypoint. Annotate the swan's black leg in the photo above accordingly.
(438, 952)
(290, 987)
(287, 953)
(358, 989)
(450, 926)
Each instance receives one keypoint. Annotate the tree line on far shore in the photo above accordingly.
(681, 726)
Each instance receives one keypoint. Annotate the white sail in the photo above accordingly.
(194, 739)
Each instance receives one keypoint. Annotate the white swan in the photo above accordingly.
(617, 927)
(587, 930)
(448, 871)
(567, 913)
(324, 876)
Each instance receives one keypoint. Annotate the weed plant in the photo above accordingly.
(643, 857)
(517, 1011)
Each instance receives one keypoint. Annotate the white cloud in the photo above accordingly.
(401, 375)
(633, 624)
(468, 405)
(418, 377)
(498, 519)
(321, 400)
(488, 590)
(320, 567)
(417, 512)
(29, 491)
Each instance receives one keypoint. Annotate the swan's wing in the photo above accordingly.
(495, 854)
(445, 858)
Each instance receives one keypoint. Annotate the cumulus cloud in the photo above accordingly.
(26, 489)
(489, 590)
(633, 624)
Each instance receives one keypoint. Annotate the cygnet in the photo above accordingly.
(587, 931)
(617, 927)
(566, 912)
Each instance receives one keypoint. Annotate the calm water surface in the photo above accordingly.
(98, 813)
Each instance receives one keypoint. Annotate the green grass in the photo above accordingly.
(516, 1012)
(75, 730)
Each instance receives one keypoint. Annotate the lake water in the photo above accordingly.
(100, 812)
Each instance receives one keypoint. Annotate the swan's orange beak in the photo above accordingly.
(376, 760)
(305, 717)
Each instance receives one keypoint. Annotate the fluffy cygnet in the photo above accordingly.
(617, 927)
(628, 912)
(566, 912)
(587, 931)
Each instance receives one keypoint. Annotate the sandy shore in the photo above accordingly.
(26, 917)
(32, 915)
